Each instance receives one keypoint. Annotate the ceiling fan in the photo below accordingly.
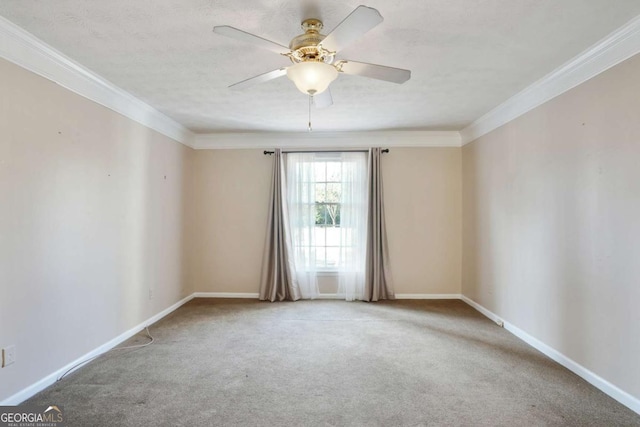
(314, 55)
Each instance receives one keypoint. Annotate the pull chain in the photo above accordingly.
(310, 97)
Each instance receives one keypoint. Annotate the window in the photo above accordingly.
(328, 194)
(327, 210)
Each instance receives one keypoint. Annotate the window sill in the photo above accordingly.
(327, 273)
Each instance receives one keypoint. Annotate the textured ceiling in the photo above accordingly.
(466, 56)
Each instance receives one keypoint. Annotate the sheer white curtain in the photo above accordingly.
(353, 226)
(302, 220)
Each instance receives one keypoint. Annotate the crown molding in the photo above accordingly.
(618, 46)
(24, 49)
(29, 52)
(221, 141)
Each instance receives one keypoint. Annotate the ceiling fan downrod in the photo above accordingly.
(310, 99)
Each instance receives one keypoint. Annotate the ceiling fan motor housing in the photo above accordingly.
(306, 47)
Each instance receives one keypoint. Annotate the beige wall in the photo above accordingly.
(91, 218)
(230, 203)
(551, 224)
(422, 191)
(423, 199)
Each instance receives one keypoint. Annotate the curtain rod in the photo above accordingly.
(386, 150)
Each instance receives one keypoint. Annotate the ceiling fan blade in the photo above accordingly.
(323, 100)
(260, 78)
(243, 36)
(373, 71)
(361, 20)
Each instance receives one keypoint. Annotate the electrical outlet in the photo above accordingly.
(150, 293)
(8, 355)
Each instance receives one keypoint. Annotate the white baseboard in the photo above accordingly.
(482, 310)
(45, 382)
(615, 392)
(428, 296)
(164, 313)
(225, 295)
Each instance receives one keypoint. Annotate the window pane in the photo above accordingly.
(319, 169)
(320, 257)
(333, 257)
(332, 214)
(326, 216)
(333, 171)
(333, 236)
(321, 193)
(321, 215)
(312, 214)
(333, 193)
(320, 233)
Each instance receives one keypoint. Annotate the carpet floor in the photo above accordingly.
(224, 362)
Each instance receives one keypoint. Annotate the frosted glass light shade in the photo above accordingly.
(312, 78)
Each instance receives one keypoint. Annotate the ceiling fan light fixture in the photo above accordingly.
(311, 77)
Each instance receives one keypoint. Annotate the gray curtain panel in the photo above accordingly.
(378, 282)
(278, 271)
